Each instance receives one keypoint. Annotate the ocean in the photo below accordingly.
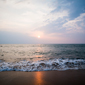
(41, 57)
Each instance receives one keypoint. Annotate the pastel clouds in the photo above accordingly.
(26, 17)
(76, 25)
(53, 20)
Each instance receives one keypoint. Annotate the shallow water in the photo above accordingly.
(37, 57)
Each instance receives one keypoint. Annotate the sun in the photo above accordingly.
(38, 36)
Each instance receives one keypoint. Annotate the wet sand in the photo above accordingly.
(69, 77)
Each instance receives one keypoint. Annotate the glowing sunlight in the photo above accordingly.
(38, 36)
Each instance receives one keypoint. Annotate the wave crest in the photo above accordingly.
(45, 65)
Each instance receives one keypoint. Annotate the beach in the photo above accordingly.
(68, 77)
(42, 64)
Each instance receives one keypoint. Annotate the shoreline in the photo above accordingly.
(67, 77)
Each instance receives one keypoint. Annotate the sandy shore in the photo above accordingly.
(70, 77)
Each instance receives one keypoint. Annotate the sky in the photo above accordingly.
(42, 21)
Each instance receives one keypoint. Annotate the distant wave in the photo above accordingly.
(44, 65)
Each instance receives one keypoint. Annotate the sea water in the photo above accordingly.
(41, 57)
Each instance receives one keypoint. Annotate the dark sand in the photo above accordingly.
(70, 77)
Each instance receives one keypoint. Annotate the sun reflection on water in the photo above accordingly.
(39, 78)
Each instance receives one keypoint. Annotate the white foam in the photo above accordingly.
(55, 64)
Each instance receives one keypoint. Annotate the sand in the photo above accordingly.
(69, 77)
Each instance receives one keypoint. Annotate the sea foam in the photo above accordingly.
(44, 65)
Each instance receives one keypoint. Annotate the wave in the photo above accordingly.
(44, 65)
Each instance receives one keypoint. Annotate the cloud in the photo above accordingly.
(4, 0)
(21, 1)
(27, 17)
(51, 19)
(54, 16)
(76, 25)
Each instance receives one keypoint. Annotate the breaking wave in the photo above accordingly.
(44, 65)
